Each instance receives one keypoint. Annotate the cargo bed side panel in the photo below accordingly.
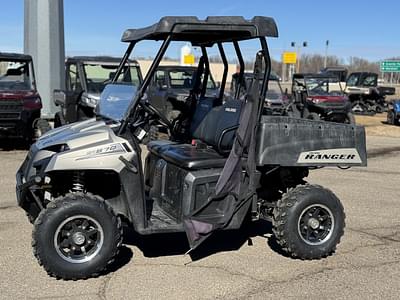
(299, 142)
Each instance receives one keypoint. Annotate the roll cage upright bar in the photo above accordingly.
(206, 71)
(241, 66)
(225, 74)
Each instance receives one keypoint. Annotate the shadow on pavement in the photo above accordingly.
(13, 144)
(222, 241)
(124, 257)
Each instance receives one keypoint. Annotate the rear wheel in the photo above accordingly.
(40, 127)
(359, 108)
(308, 222)
(350, 119)
(77, 236)
(390, 117)
(314, 116)
(57, 120)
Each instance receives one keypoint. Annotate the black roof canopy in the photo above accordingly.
(15, 56)
(96, 59)
(202, 32)
(313, 75)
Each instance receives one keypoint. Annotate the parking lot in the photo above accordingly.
(231, 265)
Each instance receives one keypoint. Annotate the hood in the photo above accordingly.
(21, 95)
(76, 135)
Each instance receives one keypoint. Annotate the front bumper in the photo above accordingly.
(29, 177)
(17, 123)
(330, 108)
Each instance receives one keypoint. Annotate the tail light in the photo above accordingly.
(32, 103)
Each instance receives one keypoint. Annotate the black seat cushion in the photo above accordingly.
(189, 157)
(157, 147)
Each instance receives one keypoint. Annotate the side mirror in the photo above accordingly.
(60, 97)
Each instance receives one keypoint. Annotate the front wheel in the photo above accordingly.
(308, 222)
(77, 236)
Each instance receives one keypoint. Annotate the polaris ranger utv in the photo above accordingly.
(79, 181)
(85, 79)
(366, 96)
(20, 103)
(320, 97)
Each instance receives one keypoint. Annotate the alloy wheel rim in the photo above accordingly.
(316, 224)
(78, 239)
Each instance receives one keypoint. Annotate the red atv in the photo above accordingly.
(320, 97)
(20, 103)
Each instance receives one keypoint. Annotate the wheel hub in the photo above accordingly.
(313, 223)
(78, 238)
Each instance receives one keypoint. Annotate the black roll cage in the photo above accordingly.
(160, 55)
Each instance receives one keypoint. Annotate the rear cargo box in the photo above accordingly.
(299, 142)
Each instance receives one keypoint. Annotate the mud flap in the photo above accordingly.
(199, 227)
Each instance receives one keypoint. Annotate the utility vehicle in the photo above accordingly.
(320, 97)
(275, 100)
(20, 102)
(393, 114)
(85, 79)
(79, 181)
(366, 96)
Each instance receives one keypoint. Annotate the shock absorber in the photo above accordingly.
(78, 183)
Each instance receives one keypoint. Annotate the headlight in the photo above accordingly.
(89, 101)
(267, 103)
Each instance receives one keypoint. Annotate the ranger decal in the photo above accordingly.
(334, 156)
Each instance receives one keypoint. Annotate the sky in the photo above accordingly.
(367, 29)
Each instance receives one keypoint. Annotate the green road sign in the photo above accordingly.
(390, 66)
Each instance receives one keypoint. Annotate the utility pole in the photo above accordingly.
(326, 52)
(44, 41)
(293, 44)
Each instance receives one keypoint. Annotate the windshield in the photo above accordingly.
(15, 75)
(98, 75)
(323, 86)
(274, 91)
(114, 100)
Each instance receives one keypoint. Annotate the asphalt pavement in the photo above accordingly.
(245, 264)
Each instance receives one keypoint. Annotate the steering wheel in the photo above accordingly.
(148, 107)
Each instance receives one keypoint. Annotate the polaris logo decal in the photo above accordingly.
(230, 109)
(333, 156)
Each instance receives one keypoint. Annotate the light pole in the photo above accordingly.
(326, 52)
(293, 44)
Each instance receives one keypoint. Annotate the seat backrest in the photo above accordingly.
(203, 107)
(216, 121)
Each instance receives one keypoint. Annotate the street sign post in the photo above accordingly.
(389, 66)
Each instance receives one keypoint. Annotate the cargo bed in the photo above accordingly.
(300, 142)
